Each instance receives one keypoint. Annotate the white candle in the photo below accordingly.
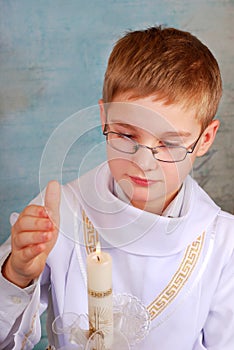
(100, 303)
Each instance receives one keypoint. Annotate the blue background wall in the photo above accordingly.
(53, 56)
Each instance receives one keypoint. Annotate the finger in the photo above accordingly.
(29, 253)
(35, 210)
(25, 239)
(52, 201)
(31, 223)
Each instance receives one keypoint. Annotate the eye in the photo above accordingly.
(170, 144)
(121, 131)
(125, 134)
(122, 136)
(128, 135)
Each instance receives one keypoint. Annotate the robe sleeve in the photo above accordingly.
(20, 308)
(218, 332)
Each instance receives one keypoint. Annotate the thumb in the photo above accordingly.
(52, 201)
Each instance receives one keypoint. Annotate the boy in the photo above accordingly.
(172, 247)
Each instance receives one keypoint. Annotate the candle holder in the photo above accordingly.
(131, 326)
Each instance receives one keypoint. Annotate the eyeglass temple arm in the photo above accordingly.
(105, 129)
(195, 144)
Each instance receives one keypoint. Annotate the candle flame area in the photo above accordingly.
(98, 250)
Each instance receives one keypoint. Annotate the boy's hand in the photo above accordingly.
(33, 236)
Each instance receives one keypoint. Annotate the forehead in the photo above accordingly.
(152, 116)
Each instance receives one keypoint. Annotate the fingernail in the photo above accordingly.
(46, 236)
(49, 224)
(43, 213)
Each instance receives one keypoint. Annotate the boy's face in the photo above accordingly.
(151, 184)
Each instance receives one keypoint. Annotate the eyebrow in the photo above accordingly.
(180, 133)
(125, 125)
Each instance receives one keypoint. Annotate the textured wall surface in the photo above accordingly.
(53, 55)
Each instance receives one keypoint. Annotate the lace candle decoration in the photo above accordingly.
(100, 301)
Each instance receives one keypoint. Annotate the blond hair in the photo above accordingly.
(170, 64)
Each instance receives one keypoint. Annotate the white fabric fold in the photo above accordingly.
(134, 230)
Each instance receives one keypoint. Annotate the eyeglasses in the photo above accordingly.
(167, 153)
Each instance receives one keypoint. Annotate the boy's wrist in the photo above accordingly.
(13, 277)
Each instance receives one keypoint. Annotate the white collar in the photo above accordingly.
(136, 231)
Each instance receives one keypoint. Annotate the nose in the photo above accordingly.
(144, 159)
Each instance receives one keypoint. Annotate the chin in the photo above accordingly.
(146, 197)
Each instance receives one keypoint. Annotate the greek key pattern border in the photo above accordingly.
(90, 234)
(179, 279)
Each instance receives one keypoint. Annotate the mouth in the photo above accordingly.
(142, 182)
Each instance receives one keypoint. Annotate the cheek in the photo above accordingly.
(117, 163)
(175, 173)
(118, 167)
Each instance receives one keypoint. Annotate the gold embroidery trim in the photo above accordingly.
(96, 294)
(179, 279)
(90, 234)
(27, 335)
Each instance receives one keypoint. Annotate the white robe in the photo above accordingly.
(182, 269)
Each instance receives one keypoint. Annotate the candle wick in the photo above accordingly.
(98, 258)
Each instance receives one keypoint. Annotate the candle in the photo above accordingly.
(100, 304)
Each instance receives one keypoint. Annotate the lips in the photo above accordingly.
(141, 181)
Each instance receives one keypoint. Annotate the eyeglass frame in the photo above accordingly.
(152, 149)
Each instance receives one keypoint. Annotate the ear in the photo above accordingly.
(102, 113)
(208, 137)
